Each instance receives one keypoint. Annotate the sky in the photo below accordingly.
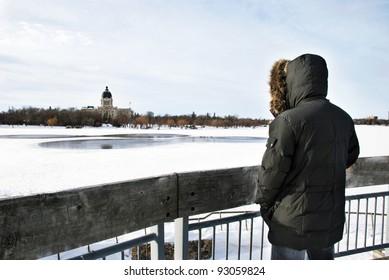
(178, 57)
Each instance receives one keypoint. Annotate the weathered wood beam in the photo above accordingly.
(41, 225)
(368, 171)
(207, 191)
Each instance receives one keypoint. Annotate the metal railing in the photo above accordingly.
(362, 235)
(247, 230)
(366, 228)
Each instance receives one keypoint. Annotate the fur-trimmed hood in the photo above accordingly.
(278, 87)
(301, 79)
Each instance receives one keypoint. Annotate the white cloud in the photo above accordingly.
(24, 38)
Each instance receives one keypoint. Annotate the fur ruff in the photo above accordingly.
(277, 85)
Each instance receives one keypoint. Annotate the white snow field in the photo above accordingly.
(27, 168)
(30, 168)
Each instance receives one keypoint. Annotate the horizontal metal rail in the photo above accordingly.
(117, 248)
(367, 195)
(225, 220)
(361, 250)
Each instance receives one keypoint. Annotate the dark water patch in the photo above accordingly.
(147, 136)
(143, 140)
(37, 136)
(55, 136)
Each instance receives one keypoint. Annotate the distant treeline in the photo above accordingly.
(77, 118)
(371, 121)
(51, 117)
(74, 117)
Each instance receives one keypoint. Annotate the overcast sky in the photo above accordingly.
(184, 56)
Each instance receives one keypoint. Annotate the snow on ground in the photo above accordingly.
(28, 168)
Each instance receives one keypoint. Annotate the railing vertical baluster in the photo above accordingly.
(227, 239)
(240, 238)
(366, 220)
(213, 242)
(199, 246)
(387, 224)
(262, 237)
(157, 247)
(348, 224)
(251, 239)
(375, 219)
(357, 223)
(181, 238)
(383, 220)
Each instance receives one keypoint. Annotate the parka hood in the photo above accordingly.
(306, 79)
(291, 82)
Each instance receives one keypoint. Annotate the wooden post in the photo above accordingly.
(181, 238)
(158, 246)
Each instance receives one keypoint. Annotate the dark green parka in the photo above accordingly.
(303, 172)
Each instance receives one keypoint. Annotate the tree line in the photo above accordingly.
(51, 117)
(74, 117)
(371, 121)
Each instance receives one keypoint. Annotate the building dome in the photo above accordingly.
(106, 93)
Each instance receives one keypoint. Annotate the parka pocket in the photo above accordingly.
(271, 142)
(268, 215)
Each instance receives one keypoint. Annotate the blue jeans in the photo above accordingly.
(285, 253)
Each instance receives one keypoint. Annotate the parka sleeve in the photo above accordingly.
(353, 149)
(276, 162)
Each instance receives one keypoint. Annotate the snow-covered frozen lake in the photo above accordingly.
(30, 167)
(44, 159)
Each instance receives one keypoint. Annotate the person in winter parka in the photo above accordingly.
(301, 188)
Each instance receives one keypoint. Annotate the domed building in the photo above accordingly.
(106, 98)
(109, 113)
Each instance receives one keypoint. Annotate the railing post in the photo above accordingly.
(387, 224)
(158, 246)
(181, 238)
